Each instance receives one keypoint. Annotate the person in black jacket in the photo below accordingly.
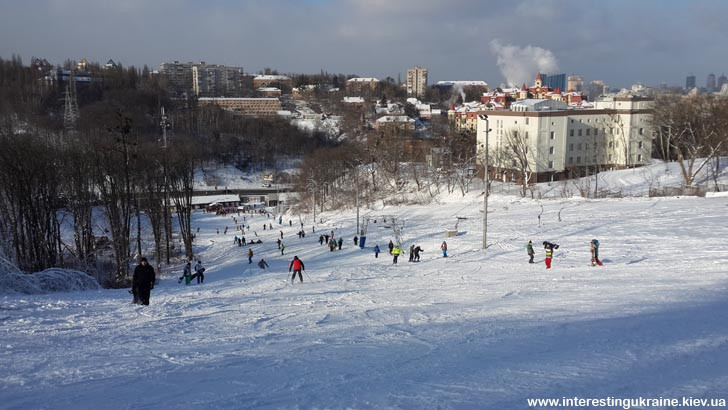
(143, 281)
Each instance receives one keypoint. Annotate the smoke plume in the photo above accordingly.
(521, 64)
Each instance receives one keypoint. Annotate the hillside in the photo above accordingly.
(475, 330)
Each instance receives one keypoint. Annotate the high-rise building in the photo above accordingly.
(690, 82)
(721, 80)
(575, 83)
(554, 81)
(203, 80)
(710, 83)
(416, 81)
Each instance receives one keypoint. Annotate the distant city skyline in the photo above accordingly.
(455, 40)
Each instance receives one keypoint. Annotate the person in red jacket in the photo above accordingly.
(297, 267)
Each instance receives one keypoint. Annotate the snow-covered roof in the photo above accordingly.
(464, 83)
(237, 99)
(353, 100)
(268, 89)
(538, 104)
(395, 118)
(272, 77)
(209, 199)
(363, 79)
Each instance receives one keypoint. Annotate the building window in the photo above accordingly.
(639, 157)
(552, 135)
(640, 145)
(551, 164)
(642, 130)
(571, 147)
(572, 121)
(525, 150)
(580, 133)
(586, 146)
(587, 131)
(578, 160)
(526, 120)
(578, 147)
(571, 160)
(596, 131)
(610, 157)
(611, 144)
(526, 134)
(551, 150)
(571, 133)
(552, 123)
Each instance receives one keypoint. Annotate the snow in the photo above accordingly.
(51, 280)
(476, 330)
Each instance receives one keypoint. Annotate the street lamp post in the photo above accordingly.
(485, 182)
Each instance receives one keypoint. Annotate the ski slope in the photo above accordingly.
(477, 330)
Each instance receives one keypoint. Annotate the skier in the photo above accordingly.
(186, 274)
(280, 220)
(279, 243)
(529, 249)
(199, 272)
(283, 248)
(376, 251)
(270, 226)
(297, 266)
(356, 240)
(412, 253)
(281, 234)
(321, 239)
(265, 226)
(395, 252)
(418, 249)
(262, 264)
(250, 255)
(326, 238)
(235, 240)
(549, 252)
(595, 253)
(443, 247)
(341, 242)
(143, 282)
(391, 246)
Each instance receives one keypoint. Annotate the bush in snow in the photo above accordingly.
(13, 280)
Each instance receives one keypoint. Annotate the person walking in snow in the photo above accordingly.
(417, 251)
(376, 251)
(443, 248)
(594, 244)
(262, 264)
(281, 234)
(396, 251)
(283, 248)
(199, 272)
(279, 243)
(250, 255)
(297, 266)
(390, 246)
(186, 274)
(326, 238)
(531, 253)
(549, 247)
(412, 253)
(280, 220)
(142, 282)
(332, 245)
(356, 240)
(341, 242)
(321, 239)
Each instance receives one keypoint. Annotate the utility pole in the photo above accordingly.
(485, 182)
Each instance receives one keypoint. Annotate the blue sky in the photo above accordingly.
(618, 41)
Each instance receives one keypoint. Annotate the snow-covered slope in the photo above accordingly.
(476, 330)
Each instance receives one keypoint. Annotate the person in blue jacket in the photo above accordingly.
(376, 251)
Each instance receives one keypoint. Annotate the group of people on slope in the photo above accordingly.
(549, 250)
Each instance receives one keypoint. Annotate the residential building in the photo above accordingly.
(203, 80)
(361, 85)
(690, 82)
(178, 76)
(245, 106)
(279, 81)
(563, 141)
(416, 81)
(575, 83)
(395, 125)
(710, 83)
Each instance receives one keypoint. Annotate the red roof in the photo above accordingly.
(557, 91)
(523, 87)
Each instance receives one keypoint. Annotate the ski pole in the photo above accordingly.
(308, 277)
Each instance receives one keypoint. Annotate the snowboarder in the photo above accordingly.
(262, 264)
(250, 255)
(531, 253)
(418, 249)
(199, 272)
(356, 240)
(549, 247)
(412, 253)
(390, 246)
(297, 266)
(443, 248)
(341, 242)
(595, 253)
(143, 282)
(395, 252)
(186, 274)
(376, 251)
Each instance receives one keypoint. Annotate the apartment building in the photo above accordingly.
(563, 142)
(204, 80)
(361, 85)
(245, 106)
(278, 81)
(416, 81)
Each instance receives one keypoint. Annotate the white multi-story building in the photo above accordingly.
(416, 81)
(563, 142)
